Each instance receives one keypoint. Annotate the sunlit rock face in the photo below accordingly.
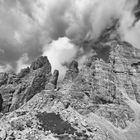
(100, 101)
(99, 84)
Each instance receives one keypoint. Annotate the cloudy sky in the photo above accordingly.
(30, 28)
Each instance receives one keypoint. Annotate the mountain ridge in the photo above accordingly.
(100, 101)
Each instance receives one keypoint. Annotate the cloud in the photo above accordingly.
(5, 68)
(28, 27)
(16, 29)
(22, 63)
(59, 52)
(129, 30)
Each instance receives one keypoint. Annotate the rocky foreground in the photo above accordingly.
(101, 101)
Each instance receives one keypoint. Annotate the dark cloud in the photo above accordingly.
(27, 26)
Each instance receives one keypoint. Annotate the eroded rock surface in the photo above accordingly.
(100, 101)
(72, 72)
(52, 84)
(18, 89)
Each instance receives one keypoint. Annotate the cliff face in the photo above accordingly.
(101, 101)
(18, 89)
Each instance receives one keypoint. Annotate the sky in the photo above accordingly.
(30, 28)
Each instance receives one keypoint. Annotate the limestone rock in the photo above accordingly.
(52, 84)
(1, 102)
(23, 72)
(54, 78)
(72, 72)
(49, 119)
(40, 62)
(102, 85)
(18, 89)
(101, 101)
(3, 78)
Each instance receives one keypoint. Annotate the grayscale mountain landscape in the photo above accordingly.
(69, 70)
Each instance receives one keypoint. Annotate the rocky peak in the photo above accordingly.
(17, 89)
(40, 62)
(72, 72)
(54, 78)
(52, 84)
(23, 72)
(3, 78)
(99, 101)
(74, 66)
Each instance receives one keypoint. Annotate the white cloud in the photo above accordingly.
(22, 63)
(59, 52)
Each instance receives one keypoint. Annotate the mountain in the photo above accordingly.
(100, 101)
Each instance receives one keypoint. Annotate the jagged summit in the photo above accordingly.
(17, 89)
(72, 72)
(101, 101)
(40, 62)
